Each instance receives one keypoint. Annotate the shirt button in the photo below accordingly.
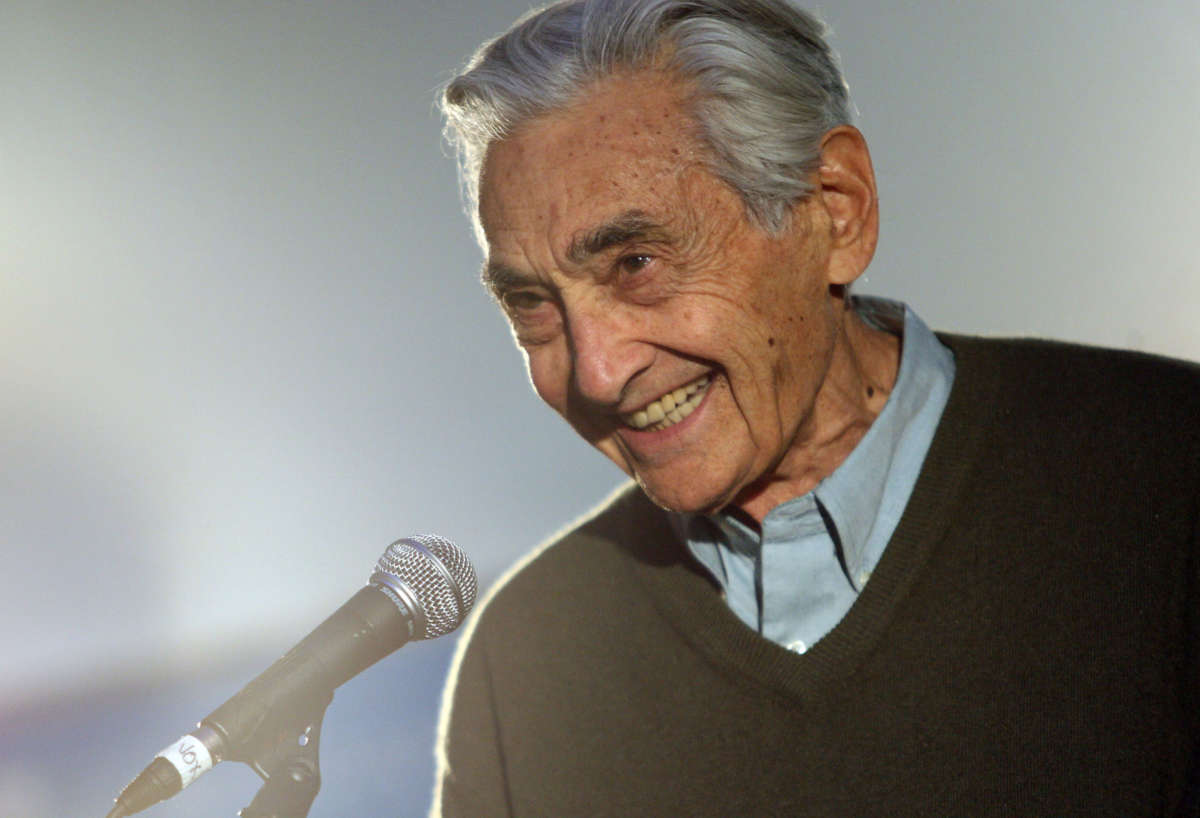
(863, 576)
(798, 646)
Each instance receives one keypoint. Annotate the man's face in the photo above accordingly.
(634, 282)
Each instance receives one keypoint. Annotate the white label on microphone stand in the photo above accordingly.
(190, 757)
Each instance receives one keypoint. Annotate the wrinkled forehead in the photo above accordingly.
(623, 145)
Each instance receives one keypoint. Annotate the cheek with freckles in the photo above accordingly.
(549, 370)
(548, 374)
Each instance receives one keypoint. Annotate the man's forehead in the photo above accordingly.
(625, 227)
(607, 170)
(620, 113)
(638, 99)
(582, 208)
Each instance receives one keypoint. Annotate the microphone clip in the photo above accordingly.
(286, 757)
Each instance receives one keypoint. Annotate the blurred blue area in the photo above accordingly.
(70, 757)
(241, 329)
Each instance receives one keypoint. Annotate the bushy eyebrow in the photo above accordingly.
(500, 279)
(632, 225)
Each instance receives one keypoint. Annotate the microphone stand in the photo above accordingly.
(286, 758)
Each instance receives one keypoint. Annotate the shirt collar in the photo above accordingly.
(853, 494)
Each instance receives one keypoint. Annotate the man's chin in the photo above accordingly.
(685, 499)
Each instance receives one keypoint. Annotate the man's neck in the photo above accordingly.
(862, 373)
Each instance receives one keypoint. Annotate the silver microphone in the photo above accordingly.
(421, 588)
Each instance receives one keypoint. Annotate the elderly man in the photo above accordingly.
(864, 569)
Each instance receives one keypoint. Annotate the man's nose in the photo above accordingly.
(606, 351)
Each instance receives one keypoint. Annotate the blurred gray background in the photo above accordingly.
(243, 346)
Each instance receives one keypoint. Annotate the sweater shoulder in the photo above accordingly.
(1087, 385)
(1047, 349)
(1020, 355)
(581, 564)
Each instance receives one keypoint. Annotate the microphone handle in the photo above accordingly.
(364, 630)
(369, 626)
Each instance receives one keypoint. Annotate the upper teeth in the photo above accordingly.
(671, 407)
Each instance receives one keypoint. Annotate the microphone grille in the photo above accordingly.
(439, 575)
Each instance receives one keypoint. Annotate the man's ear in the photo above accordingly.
(846, 190)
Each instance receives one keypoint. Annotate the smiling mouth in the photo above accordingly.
(670, 408)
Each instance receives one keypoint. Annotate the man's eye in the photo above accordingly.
(522, 301)
(632, 265)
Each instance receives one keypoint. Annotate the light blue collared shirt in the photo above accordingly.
(797, 580)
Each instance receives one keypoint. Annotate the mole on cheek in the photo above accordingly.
(770, 342)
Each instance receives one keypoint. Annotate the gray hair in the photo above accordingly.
(767, 85)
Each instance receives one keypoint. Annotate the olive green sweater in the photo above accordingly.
(1026, 646)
